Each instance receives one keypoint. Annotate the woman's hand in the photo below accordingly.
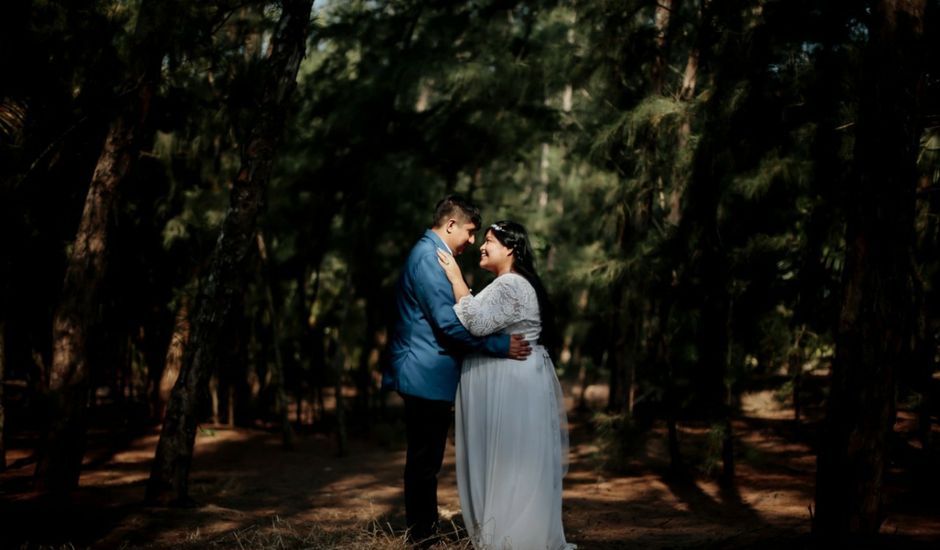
(449, 263)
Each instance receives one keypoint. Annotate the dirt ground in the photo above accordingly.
(245, 484)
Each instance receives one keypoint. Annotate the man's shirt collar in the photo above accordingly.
(439, 240)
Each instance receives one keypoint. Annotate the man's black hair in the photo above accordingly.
(457, 207)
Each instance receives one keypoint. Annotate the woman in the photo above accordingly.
(511, 432)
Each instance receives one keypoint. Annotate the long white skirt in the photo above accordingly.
(512, 445)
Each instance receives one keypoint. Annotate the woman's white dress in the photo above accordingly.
(511, 433)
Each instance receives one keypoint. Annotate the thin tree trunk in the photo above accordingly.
(875, 325)
(676, 464)
(280, 397)
(690, 74)
(661, 20)
(339, 360)
(3, 362)
(929, 305)
(364, 372)
(700, 224)
(727, 443)
(670, 401)
(925, 347)
(169, 476)
(230, 406)
(615, 351)
(214, 398)
(179, 340)
(338, 364)
(795, 361)
(154, 347)
(301, 317)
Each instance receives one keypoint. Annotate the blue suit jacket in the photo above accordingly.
(428, 340)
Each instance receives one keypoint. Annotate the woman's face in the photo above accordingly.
(494, 256)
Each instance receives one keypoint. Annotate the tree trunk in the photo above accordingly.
(224, 281)
(179, 341)
(727, 443)
(706, 270)
(670, 402)
(364, 371)
(873, 336)
(76, 315)
(683, 134)
(925, 347)
(277, 378)
(795, 366)
(339, 361)
(926, 341)
(338, 366)
(690, 74)
(3, 361)
(615, 351)
(661, 21)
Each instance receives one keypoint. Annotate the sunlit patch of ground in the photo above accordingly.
(766, 404)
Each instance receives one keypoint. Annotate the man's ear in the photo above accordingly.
(450, 224)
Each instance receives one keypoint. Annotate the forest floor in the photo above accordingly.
(253, 494)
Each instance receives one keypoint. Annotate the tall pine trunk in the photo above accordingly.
(337, 365)
(169, 476)
(278, 374)
(3, 361)
(929, 304)
(706, 268)
(875, 324)
(617, 343)
(77, 313)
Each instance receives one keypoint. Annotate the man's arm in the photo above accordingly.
(436, 299)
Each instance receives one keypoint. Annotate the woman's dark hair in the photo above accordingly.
(513, 236)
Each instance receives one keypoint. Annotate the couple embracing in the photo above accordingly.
(479, 354)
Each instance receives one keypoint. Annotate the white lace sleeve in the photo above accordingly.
(497, 306)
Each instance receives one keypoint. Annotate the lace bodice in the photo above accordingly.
(508, 305)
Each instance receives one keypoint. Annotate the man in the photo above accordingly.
(424, 356)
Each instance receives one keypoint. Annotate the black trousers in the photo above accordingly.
(426, 425)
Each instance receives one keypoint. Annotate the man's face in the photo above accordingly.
(461, 235)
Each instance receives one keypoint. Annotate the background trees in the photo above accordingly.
(712, 188)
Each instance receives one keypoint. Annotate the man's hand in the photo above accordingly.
(519, 348)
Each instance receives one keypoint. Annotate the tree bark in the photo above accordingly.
(76, 315)
(280, 396)
(338, 364)
(3, 361)
(661, 19)
(873, 336)
(706, 270)
(670, 401)
(225, 278)
(929, 304)
(174, 357)
(795, 366)
(690, 74)
(616, 346)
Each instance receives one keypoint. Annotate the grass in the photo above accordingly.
(284, 535)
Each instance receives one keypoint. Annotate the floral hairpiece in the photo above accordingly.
(498, 227)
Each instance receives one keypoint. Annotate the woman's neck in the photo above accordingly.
(504, 270)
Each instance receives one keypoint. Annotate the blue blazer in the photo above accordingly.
(428, 340)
